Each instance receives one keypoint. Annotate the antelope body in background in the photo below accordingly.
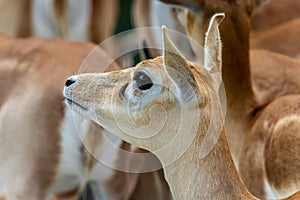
(252, 109)
(40, 147)
(89, 20)
(283, 38)
(275, 27)
(274, 13)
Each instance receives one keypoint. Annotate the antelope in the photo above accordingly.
(40, 148)
(273, 13)
(281, 38)
(286, 36)
(91, 20)
(266, 157)
(180, 87)
(275, 27)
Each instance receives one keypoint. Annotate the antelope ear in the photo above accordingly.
(178, 68)
(213, 45)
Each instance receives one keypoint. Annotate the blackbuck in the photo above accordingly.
(261, 117)
(43, 144)
(89, 20)
(182, 91)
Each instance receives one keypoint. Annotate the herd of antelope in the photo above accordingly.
(59, 115)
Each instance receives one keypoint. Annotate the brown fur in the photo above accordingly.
(273, 13)
(15, 17)
(283, 38)
(61, 13)
(26, 141)
(32, 75)
(103, 19)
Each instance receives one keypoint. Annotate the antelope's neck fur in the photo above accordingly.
(237, 78)
(212, 177)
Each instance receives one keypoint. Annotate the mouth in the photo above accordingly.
(70, 103)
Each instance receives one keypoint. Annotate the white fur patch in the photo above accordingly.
(270, 193)
(102, 172)
(163, 15)
(286, 120)
(80, 12)
(108, 155)
(9, 64)
(45, 22)
(71, 167)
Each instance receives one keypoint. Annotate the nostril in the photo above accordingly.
(69, 82)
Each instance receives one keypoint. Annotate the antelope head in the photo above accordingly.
(152, 103)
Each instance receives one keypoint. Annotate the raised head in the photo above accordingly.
(153, 103)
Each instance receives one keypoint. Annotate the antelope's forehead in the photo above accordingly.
(153, 67)
(152, 63)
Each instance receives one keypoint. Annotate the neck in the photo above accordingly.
(212, 177)
(235, 30)
(236, 64)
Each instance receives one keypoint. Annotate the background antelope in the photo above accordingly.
(89, 20)
(274, 29)
(41, 151)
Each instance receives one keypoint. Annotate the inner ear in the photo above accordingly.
(178, 69)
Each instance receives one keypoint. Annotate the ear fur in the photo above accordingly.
(178, 68)
(213, 45)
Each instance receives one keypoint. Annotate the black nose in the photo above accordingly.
(69, 82)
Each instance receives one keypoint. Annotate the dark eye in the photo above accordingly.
(143, 81)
